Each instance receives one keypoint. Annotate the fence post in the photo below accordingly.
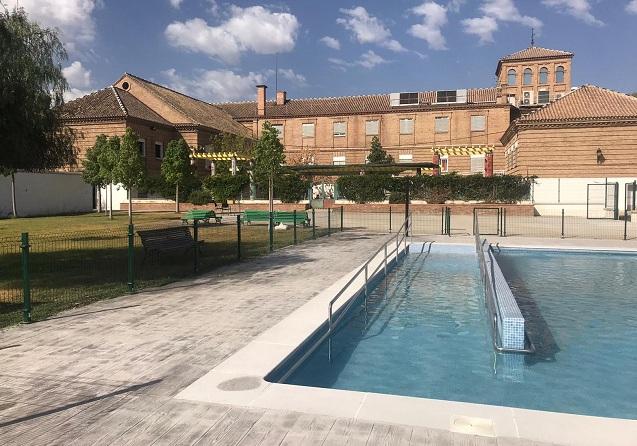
(342, 208)
(504, 232)
(195, 236)
(313, 224)
(449, 221)
(625, 222)
(562, 222)
(271, 231)
(474, 221)
(131, 258)
(329, 221)
(442, 220)
(390, 219)
(26, 283)
(238, 237)
(294, 226)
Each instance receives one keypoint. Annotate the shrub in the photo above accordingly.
(199, 197)
(226, 187)
(364, 188)
(498, 189)
(290, 188)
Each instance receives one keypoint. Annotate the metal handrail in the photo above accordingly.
(491, 300)
(401, 235)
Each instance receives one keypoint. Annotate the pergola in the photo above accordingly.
(466, 150)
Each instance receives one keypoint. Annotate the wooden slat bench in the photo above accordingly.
(286, 217)
(167, 240)
(200, 214)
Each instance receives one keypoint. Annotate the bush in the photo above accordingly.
(226, 187)
(199, 197)
(291, 188)
(157, 185)
(364, 188)
(498, 189)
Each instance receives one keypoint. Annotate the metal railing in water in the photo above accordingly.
(399, 239)
(490, 294)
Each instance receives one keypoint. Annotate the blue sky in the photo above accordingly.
(219, 51)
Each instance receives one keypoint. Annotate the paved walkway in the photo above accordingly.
(107, 373)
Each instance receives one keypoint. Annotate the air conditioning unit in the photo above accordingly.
(527, 98)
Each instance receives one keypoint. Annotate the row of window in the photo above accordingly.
(476, 162)
(339, 128)
(527, 76)
(159, 149)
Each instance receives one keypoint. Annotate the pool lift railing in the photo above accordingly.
(400, 239)
(490, 295)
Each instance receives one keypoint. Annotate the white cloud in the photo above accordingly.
(434, 17)
(73, 18)
(215, 85)
(632, 7)
(580, 9)
(455, 5)
(214, 7)
(176, 3)
(367, 60)
(79, 80)
(290, 75)
(497, 11)
(255, 29)
(368, 29)
(331, 42)
(483, 27)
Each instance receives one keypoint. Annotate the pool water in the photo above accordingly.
(426, 334)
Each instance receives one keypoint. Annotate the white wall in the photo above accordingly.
(551, 195)
(119, 196)
(48, 193)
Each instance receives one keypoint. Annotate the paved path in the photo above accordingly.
(107, 373)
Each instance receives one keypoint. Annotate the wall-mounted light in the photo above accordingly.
(600, 157)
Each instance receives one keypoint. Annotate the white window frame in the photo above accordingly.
(473, 157)
(339, 160)
(444, 166)
(406, 158)
(484, 123)
(441, 119)
(161, 150)
(339, 134)
(411, 126)
(367, 123)
(280, 132)
(143, 141)
(306, 125)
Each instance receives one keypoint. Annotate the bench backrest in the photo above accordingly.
(199, 214)
(166, 238)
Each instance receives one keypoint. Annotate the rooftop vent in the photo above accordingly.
(451, 97)
(402, 99)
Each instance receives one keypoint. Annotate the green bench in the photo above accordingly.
(202, 215)
(285, 217)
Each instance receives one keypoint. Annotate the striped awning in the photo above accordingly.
(466, 150)
(218, 156)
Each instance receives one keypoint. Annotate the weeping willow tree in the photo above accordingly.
(32, 135)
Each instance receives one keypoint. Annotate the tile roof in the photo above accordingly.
(108, 103)
(199, 112)
(532, 53)
(346, 105)
(588, 102)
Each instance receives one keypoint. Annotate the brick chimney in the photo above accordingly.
(281, 97)
(261, 100)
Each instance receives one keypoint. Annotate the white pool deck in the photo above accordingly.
(239, 380)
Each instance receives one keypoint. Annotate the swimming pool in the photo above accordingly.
(426, 334)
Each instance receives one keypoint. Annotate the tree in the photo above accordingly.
(92, 173)
(130, 170)
(32, 135)
(175, 168)
(378, 155)
(11, 172)
(268, 158)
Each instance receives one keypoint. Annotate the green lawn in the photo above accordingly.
(75, 260)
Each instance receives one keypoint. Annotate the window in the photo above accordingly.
(338, 160)
(511, 99)
(478, 123)
(340, 128)
(528, 76)
(279, 129)
(159, 150)
(446, 96)
(442, 124)
(141, 145)
(559, 75)
(477, 163)
(408, 98)
(406, 126)
(544, 75)
(444, 164)
(405, 158)
(371, 127)
(308, 130)
(512, 77)
(543, 97)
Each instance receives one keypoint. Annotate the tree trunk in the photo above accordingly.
(130, 207)
(110, 200)
(271, 192)
(13, 205)
(177, 198)
(99, 199)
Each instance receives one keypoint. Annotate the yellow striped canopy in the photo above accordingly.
(218, 156)
(453, 150)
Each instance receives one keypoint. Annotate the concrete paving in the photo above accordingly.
(107, 373)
